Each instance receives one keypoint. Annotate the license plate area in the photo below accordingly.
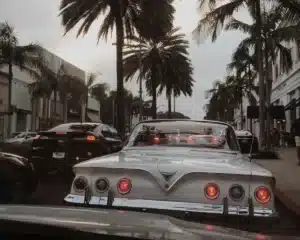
(58, 155)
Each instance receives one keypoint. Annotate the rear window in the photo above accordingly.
(184, 133)
(74, 127)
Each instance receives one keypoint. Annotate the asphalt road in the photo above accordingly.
(288, 223)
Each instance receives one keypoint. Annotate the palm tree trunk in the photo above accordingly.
(242, 114)
(169, 105)
(65, 107)
(268, 97)
(249, 89)
(9, 109)
(120, 83)
(174, 101)
(154, 97)
(260, 73)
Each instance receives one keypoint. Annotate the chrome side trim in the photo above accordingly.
(171, 206)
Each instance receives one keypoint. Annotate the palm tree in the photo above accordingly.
(26, 57)
(221, 101)
(99, 91)
(215, 19)
(273, 35)
(178, 79)
(126, 16)
(161, 62)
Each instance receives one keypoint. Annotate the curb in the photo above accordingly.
(287, 202)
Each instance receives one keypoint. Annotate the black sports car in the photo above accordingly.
(65, 145)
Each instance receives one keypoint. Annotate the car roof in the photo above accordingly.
(184, 120)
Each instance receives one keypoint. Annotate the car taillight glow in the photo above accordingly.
(80, 184)
(124, 186)
(155, 140)
(102, 185)
(211, 191)
(37, 137)
(262, 195)
(191, 140)
(60, 133)
(90, 138)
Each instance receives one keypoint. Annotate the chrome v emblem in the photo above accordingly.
(167, 175)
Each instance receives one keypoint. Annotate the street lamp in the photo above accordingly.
(140, 84)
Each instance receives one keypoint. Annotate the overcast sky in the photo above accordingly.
(37, 20)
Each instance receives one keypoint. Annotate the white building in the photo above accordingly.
(285, 91)
(21, 118)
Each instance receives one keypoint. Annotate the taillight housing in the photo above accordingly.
(124, 186)
(90, 138)
(80, 184)
(236, 192)
(212, 191)
(262, 194)
(102, 185)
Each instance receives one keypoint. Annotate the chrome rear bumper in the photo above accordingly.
(185, 207)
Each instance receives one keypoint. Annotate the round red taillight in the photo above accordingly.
(155, 140)
(262, 195)
(211, 191)
(124, 186)
(190, 140)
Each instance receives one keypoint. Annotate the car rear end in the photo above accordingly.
(209, 196)
(59, 151)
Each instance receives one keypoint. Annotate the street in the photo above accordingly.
(288, 224)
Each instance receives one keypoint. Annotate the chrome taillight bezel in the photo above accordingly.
(77, 179)
(230, 192)
(102, 190)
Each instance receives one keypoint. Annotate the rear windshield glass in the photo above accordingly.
(184, 133)
(74, 127)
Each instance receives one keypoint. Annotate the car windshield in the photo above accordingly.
(183, 133)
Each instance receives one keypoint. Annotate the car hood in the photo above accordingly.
(191, 159)
(121, 223)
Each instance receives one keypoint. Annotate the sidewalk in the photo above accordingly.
(287, 175)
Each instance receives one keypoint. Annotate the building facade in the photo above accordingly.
(31, 115)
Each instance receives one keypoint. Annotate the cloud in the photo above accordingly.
(37, 20)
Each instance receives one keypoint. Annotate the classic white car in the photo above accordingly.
(181, 166)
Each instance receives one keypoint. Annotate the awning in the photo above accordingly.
(94, 117)
(292, 104)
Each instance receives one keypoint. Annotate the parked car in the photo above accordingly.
(247, 141)
(177, 166)
(18, 180)
(19, 143)
(61, 147)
